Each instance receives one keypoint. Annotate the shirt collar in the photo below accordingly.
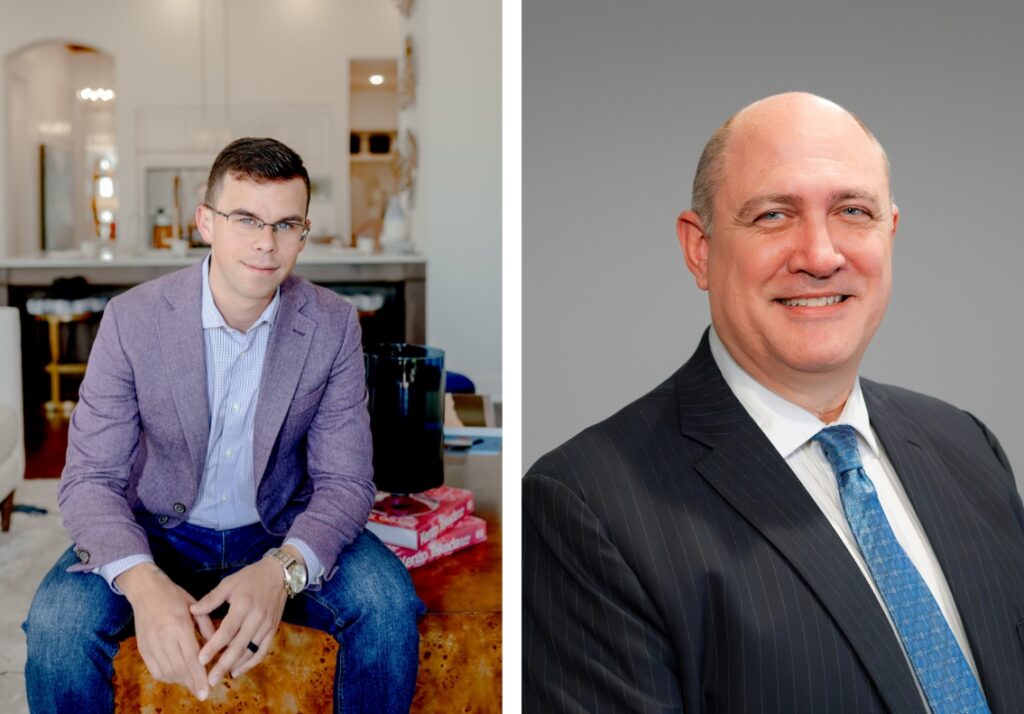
(786, 425)
(211, 315)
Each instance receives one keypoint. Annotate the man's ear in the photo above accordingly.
(694, 242)
(204, 223)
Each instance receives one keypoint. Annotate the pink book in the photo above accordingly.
(469, 531)
(414, 520)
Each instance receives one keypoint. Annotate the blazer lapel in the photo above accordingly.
(287, 351)
(181, 339)
(747, 471)
(968, 565)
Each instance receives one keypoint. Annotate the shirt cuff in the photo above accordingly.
(111, 570)
(314, 569)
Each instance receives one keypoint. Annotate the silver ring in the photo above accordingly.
(253, 647)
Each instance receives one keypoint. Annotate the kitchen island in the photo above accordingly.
(401, 276)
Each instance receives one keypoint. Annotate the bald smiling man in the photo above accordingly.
(766, 531)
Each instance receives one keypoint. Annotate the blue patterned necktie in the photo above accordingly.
(939, 663)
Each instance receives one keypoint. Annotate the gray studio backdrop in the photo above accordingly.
(618, 100)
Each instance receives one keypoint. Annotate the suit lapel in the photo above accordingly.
(747, 471)
(180, 331)
(286, 356)
(968, 567)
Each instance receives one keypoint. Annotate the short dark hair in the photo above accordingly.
(258, 160)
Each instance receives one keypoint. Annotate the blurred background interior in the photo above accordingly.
(112, 113)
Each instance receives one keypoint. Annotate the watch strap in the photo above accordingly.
(286, 561)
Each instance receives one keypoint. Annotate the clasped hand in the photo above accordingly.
(165, 613)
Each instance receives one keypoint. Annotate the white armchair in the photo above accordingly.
(12, 422)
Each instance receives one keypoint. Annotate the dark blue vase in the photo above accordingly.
(405, 389)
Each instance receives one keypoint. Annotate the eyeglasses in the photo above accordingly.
(247, 225)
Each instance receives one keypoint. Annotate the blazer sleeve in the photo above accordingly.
(103, 439)
(591, 638)
(339, 457)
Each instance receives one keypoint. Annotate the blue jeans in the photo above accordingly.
(76, 621)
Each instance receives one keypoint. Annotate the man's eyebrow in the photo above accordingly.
(294, 218)
(751, 205)
(866, 196)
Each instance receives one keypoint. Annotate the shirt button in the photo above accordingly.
(228, 452)
(235, 406)
(223, 498)
(179, 507)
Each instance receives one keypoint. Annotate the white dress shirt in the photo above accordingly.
(789, 428)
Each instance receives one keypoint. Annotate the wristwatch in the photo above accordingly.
(294, 571)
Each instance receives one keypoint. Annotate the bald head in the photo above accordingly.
(765, 119)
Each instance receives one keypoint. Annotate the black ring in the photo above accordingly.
(253, 647)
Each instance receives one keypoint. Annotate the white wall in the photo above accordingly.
(456, 216)
(374, 109)
(212, 53)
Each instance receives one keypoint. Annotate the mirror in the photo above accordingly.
(61, 147)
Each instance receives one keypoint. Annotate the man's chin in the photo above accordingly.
(821, 362)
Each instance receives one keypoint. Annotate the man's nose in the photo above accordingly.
(816, 250)
(265, 239)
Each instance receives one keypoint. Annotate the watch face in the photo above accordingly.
(296, 578)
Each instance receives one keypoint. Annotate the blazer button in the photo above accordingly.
(83, 555)
(179, 507)
(162, 520)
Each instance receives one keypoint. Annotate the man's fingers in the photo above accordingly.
(155, 662)
(233, 655)
(206, 628)
(194, 674)
(168, 664)
(211, 600)
(255, 657)
(205, 624)
(219, 639)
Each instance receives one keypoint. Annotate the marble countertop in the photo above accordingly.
(313, 255)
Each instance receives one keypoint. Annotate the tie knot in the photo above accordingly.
(840, 446)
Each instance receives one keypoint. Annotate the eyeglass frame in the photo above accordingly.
(261, 223)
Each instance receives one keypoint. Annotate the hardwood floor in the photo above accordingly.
(46, 460)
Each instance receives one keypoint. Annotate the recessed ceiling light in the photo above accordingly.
(96, 95)
(376, 79)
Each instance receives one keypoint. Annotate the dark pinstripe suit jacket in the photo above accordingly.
(673, 562)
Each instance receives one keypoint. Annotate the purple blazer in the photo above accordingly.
(139, 434)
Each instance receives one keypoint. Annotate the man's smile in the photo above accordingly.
(261, 269)
(818, 301)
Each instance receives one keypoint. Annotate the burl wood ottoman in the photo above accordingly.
(460, 671)
(297, 677)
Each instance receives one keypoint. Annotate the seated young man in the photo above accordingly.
(220, 455)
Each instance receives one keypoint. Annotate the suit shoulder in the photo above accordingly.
(923, 408)
(142, 298)
(946, 425)
(323, 301)
(629, 431)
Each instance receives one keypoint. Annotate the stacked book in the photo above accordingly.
(423, 527)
